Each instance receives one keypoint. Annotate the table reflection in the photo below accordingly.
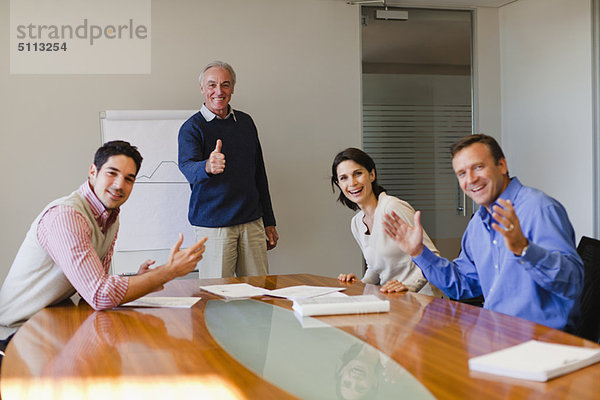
(317, 361)
(107, 343)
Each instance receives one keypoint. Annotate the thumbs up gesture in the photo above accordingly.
(216, 161)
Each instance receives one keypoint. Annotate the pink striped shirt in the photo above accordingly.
(65, 234)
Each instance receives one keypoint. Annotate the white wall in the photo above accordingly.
(298, 66)
(486, 71)
(546, 80)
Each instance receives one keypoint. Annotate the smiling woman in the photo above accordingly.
(353, 172)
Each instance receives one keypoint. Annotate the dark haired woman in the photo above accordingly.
(353, 172)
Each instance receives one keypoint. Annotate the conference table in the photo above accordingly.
(260, 349)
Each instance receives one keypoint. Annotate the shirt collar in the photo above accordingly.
(103, 216)
(510, 193)
(209, 115)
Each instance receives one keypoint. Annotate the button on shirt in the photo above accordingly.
(542, 286)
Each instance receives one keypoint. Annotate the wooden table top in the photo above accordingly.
(71, 351)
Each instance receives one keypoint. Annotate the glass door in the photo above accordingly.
(417, 100)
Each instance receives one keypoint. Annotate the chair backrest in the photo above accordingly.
(589, 301)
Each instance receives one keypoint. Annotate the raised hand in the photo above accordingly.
(182, 262)
(216, 160)
(408, 238)
(509, 226)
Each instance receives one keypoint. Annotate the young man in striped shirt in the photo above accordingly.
(70, 244)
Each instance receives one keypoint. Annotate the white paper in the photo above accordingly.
(152, 301)
(333, 294)
(236, 290)
(303, 291)
(535, 360)
(245, 290)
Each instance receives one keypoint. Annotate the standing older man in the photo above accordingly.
(221, 157)
(518, 250)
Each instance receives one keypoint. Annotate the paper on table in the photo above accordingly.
(303, 291)
(245, 290)
(535, 360)
(152, 301)
(236, 290)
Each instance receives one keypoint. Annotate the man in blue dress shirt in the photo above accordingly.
(518, 250)
(221, 157)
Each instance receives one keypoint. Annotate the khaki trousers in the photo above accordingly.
(238, 250)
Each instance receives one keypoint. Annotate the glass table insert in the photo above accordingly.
(312, 359)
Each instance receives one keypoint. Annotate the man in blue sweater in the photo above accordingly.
(518, 250)
(221, 157)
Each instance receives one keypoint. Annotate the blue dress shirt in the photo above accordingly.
(542, 286)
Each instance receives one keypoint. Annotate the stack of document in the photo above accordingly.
(332, 305)
(534, 360)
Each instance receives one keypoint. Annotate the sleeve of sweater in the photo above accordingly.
(191, 153)
(371, 277)
(263, 187)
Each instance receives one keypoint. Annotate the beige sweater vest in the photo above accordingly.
(34, 281)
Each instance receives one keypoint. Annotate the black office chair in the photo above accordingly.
(475, 301)
(588, 326)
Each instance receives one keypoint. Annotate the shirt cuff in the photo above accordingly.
(426, 258)
(533, 254)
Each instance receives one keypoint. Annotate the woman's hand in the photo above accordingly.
(347, 277)
(393, 286)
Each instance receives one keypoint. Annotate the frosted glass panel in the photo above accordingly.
(417, 101)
